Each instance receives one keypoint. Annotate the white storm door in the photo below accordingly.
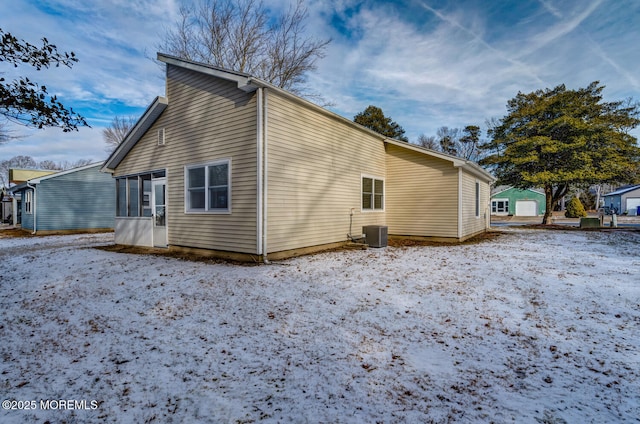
(159, 201)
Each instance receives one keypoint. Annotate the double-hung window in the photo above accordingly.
(477, 199)
(372, 194)
(208, 187)
(28, 202)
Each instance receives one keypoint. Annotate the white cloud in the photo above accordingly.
(464, 64)
(426, 66)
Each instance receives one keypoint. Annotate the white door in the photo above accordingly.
(526, 208)
(159, 201)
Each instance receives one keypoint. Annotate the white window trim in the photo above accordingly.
(28, 202)
(140, 188)
(227, 211)
(384, 193)
(477, 199)
(502, 199)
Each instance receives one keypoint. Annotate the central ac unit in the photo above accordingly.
(375, 235)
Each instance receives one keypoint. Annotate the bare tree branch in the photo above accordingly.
(242, 36)
(117, 131)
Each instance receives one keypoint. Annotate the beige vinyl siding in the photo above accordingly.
(315, 165)
(422, 194)
(207, 119)
(470, 223)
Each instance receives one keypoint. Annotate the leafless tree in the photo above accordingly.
(22, 162)
(49, 164)
(242, 35)
(428, 142)
(117, 131)
(462, 142)
(65, 164)
(27, 162)
(6, 134)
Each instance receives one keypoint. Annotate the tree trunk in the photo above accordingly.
(548, 212)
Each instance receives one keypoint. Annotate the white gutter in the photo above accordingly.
(460, 203)
(265, 137)
(33, 206)
(259, 202)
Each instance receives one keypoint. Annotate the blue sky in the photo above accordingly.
(426, 63)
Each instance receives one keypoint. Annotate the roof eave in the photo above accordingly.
(65, 172)
(456, 161)
(244, 81)
(152, 113)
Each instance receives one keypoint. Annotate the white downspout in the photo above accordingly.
(265, 170)
(259, 159)
(33, 206)
(14, 204)
(460, 203)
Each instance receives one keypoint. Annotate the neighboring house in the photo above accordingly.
(238, 168)
(19, 176)
(518, 202)
(80, 199)
(624, 200)
(6, 208)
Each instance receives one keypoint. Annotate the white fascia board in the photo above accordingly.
(18, 187)
(478, 172)
(68, 171)
(457, 162)
(135, 134)
(242, 80)
(622, 191)
(248, 83)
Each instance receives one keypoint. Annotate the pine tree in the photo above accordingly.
(575, 209)
(374, 119)
(559, 138)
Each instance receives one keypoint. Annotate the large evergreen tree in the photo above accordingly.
(557, 138)
(373, 118)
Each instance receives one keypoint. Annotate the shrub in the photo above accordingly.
(575, 209)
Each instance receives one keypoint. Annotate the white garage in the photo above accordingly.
(526, 208)
(632, 205)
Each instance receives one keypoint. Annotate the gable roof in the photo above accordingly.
(20, 175)
(623, 190)
(149, 116)
(248, 83)
(54, 175)
(502, 189)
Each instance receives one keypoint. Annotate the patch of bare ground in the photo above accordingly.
(14, 233)
(576, 228)
(20, 233)
(139, 250)
(409, 242)
(394, 242)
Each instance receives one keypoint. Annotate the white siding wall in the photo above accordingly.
(422, 196)
(207, 119)
(315, 164)
(470, 223)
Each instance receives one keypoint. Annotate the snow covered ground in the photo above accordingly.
(531, 327)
